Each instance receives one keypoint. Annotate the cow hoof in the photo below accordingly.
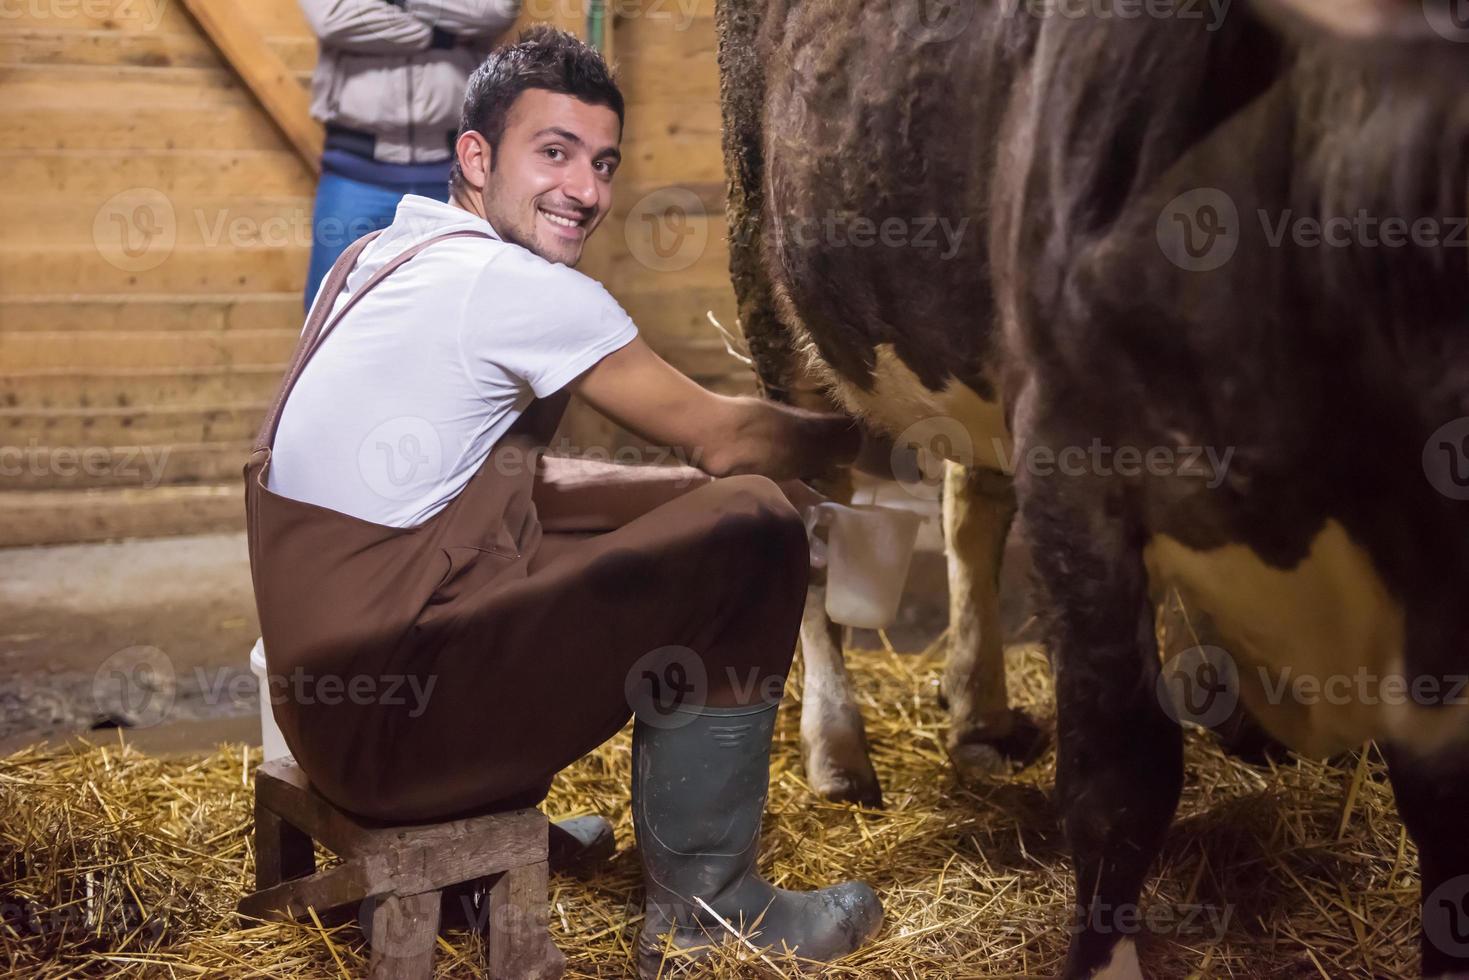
(847, 788)
(977, 762)
(835, 751)
(855, 783)
(979, 752)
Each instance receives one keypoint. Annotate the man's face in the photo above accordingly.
(552, 179)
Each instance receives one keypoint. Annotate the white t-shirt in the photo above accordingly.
(405, 398)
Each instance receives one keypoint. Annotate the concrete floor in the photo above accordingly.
(80, 622)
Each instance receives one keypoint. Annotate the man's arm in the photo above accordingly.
(721, 434)
(471, 19)
(366, 26)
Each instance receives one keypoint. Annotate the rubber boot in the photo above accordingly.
(699, 781)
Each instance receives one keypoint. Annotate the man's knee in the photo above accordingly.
(770, 525)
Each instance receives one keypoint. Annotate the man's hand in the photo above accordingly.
(801, 495)
(721, 434)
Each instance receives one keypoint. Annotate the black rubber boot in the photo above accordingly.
(699, 781)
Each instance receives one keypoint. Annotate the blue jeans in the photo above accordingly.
(346, 209)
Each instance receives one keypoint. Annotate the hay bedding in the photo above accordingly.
(115, 863)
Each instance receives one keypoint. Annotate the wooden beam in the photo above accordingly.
(267, 76)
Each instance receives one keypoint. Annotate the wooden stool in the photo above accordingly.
(398, 872)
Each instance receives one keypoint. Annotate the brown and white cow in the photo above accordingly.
(1177, 241)
(934, 396)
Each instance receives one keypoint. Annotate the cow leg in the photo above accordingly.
(984, 732)
(1119, 766)
(1433, 797)
(833, 737)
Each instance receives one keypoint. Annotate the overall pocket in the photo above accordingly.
(472, 567)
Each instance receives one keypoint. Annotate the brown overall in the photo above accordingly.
(522, 639)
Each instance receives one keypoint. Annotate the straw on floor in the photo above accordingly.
(116, 863)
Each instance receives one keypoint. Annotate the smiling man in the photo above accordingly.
(403, 521)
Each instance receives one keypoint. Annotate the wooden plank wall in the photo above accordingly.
(156, 237)
(662, 251)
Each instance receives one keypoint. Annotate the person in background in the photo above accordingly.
(388, 85)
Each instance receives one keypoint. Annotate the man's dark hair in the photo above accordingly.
(543, 57)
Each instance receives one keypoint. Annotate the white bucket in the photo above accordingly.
(271, 739)
(867, 554)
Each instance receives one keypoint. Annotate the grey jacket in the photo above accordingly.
(397, 68)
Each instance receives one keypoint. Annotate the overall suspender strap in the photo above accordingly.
(317, 327)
